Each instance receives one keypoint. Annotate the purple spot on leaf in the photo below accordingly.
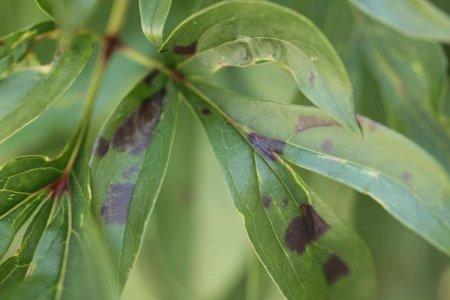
(327, 146)
(312, 78)
(266, 201)
(115, 208)
(304, 229)
(335, 268)
(101, 147)
(267, 147)
(185, 50)
(135, 131)
(308, 122)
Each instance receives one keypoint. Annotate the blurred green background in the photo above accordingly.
(196, 246)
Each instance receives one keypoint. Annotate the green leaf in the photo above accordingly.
(311, 261)
(62, 251)
(416, 18)
(413, 81)
(15, 46)
(128, 165)
(245, 33)
(404, 179)
(71, 14)
(153, 17)
(63, 73)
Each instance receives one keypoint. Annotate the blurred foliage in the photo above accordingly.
(196, 247)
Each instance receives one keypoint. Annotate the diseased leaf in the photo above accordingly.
(403, 178)
(245, 33)
(128, 165)
(416, 18)
(15, 46)
(308, 251)
(68, 13)
(413, 82)
(153, 17)
(62, 74)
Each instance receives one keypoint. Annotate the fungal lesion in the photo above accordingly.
(186, 49)
(135, 132)
(267, 147)
(304, 229)
(335, 268)
(308, 122)
(115, 208)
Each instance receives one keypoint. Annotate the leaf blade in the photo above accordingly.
(244, 33)
(129, 164)
(416, 18)
(62, 75)
(153, 17)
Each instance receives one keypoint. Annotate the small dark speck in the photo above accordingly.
(406, 176)
(312, 78)
(2, 43)
(266, 146)
(115, 208)
(101, 147)
(285, 202)
(335, 268)
(266, 201)
(206, 111)
(327, 146)
(185, 50)
(304, 229)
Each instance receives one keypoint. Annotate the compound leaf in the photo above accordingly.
(309, 252)
(404, 179)
(244, 33)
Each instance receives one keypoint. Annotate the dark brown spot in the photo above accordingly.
(327, 146)
(365, 122)
(307, 122)
(266, 201)
(304, 229)
(206, 111)
(112, 43)
(150, 77)
(285, 202)
(335, 268)
(312, 78)
(185, 50)
(266, 146)
(101, 147)
(115, 208)
(130, 171)
(2, 43)
(135, 131)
